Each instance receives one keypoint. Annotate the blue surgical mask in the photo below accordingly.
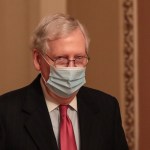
(65, 81)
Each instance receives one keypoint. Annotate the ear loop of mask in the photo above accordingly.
(44, 59)
(41, 72)
(43, 78)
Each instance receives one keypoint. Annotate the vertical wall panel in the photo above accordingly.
(130, 71)
(144, 73)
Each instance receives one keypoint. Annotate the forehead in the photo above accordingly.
(74, 42)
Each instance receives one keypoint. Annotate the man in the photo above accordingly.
(31, 118)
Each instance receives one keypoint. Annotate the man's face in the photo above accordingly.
(69, 47)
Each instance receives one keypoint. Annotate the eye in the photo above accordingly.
(78, 58)
(60, 58)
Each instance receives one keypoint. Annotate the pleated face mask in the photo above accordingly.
(65, 81)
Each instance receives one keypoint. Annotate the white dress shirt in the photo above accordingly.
(53, 109)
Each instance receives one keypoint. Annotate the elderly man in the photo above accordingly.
(56, 111)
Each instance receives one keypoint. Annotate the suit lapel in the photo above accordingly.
(38, 123)
(89, 127)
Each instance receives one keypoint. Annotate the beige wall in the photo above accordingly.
(51, 6)
(18, 19)
(102, 21)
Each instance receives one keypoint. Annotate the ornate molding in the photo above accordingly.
(129, 51)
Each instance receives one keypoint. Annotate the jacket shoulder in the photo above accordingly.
(13, 100)
(95, 94)
(96, 99)
(18, 93)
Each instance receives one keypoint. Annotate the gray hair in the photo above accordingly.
(54, 27)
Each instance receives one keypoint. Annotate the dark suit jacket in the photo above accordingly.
(25, 122)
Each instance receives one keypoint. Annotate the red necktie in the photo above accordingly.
(67, 138)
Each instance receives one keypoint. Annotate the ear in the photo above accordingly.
(36, 60)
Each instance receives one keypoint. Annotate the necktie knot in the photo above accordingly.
(63, 110)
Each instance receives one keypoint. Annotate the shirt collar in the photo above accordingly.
(51, 103)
